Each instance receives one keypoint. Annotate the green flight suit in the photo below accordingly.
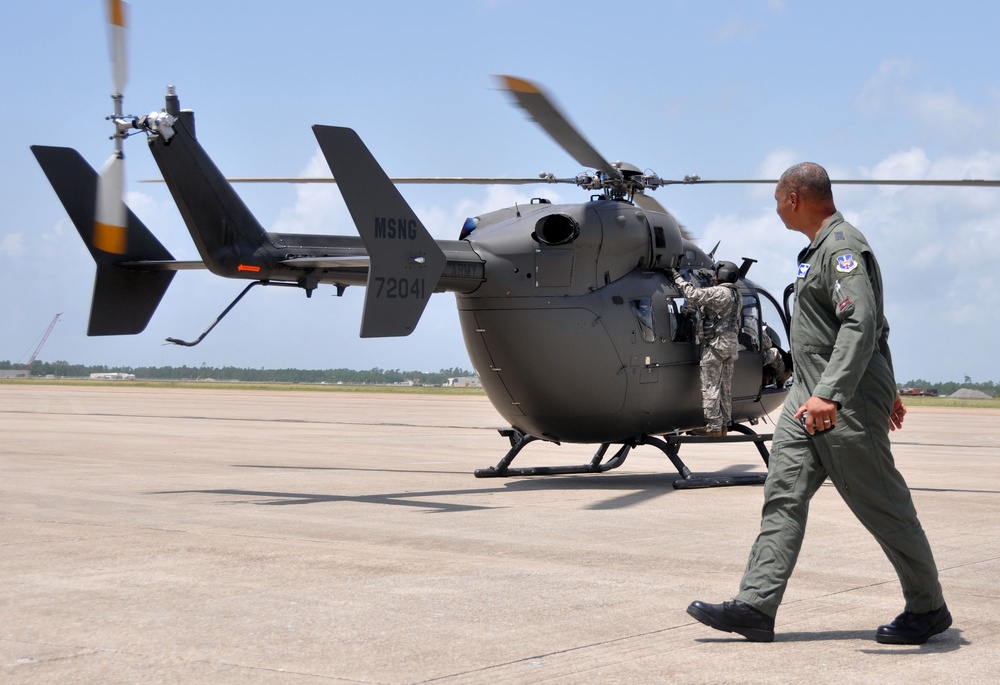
(839, 345)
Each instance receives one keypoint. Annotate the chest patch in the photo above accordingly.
(846, 263)
(803, 270)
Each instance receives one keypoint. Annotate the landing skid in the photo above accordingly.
(668, 444)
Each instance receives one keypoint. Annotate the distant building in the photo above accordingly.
(15, 373)
(462, 382)
(112, 376)
(928, 392)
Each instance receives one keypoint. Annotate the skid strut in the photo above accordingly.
(669, 444)
(519, 440)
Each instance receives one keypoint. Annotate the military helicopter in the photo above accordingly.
(574, 328)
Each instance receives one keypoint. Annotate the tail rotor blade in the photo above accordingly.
(119, 63)
(110, 214)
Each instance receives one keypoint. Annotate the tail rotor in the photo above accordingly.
(110, 220)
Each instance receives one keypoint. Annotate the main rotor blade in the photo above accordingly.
(896, 182)
(970, 183)
(119, 61)
(651, 204)
(531, 98)
(404, 180)
(487, 180)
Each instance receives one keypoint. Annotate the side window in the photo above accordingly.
(642, 308)
(682, 320)
(749, 334)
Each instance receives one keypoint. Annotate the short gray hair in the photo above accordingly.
(809, 180)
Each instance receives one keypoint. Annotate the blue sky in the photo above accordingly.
(719, 89)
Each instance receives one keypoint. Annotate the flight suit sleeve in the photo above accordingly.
(854, 305)
(883, 344)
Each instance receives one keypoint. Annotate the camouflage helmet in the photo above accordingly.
(726, 272)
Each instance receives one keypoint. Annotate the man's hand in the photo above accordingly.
(897, 413)
(820, 414)
(672, 273)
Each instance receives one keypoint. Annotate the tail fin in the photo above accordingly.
(406, 262)
(227, 235)
(124, 297)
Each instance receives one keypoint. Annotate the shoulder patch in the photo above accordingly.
(803, 270)
(846, 263)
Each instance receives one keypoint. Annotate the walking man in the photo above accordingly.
(835, 424)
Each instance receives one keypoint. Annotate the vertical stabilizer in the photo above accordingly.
(228, 236)
(125, 297)
(406, 262)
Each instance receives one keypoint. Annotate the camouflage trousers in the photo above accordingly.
(716, 388)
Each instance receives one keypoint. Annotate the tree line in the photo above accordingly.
(944, 388)
(375, 376)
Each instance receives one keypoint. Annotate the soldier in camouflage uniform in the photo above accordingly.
(773, 358)
(720, 308)
(835, 424)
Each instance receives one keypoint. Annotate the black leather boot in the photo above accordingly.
(735, 617)
(914, 629)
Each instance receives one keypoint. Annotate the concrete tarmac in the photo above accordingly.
(234, 536)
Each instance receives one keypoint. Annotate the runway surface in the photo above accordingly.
(230, 536)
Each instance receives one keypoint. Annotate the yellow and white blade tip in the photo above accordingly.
(116, 9)
(518, 85)
(110, 213)
(116, 14)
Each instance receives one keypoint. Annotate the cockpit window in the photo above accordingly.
(682, 320)
(749, 335)
(642, 308)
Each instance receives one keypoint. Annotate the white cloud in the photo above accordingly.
(882, 88)
(12, 245)
(737, 28)
(911, 164)
(318, 208)
(945, 114)
(940, 114)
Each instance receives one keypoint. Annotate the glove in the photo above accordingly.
(672, 273)
(705, 273)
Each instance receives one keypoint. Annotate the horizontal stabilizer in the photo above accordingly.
(346, 262)
(406, 261)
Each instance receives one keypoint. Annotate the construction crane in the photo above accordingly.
(45, 336)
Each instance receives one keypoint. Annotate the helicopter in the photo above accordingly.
(576, 331)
